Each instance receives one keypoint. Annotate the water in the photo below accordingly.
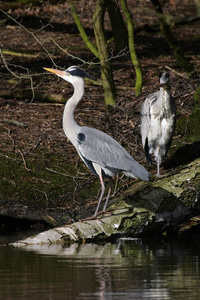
(130, 269)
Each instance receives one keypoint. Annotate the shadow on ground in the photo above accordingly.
(183, 156)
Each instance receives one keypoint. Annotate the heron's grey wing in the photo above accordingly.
(173, 107)
(96, 146)
(145, 123)
(146, 107)
(173, 113)
(146, 115)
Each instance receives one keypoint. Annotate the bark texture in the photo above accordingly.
(131, 42)
(104, 55)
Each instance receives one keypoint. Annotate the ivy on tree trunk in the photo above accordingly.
(101, 52)
(171, 40)
(104, 55)
(81, 29)
(131, 42)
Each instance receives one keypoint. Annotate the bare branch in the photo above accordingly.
(17, 76)
(29, 32)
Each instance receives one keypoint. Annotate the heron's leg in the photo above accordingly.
(108, 195)
(116, 183)
(101, 196)
(103, 211)
(93, 217)
(158, 169)
(158, 163)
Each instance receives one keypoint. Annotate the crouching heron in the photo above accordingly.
(103, 155)
(158, 117)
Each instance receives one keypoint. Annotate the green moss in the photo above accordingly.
(194, 123)
(190, 127)
(197, 98)
(181, 126)
(132, 223)
(190, 194)
(39, 186)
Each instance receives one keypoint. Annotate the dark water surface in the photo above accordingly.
(130, 269)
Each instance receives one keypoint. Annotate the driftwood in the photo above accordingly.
(154, 208)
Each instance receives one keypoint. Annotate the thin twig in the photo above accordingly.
(47, 199)
(29, 32)
(8, 157)
(34, 147)
(14, 122)
(23, 159)
(17, 76)
(177, 73)
(66, 175)
(120, 54)
(13, 141)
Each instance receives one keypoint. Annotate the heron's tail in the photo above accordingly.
(138, 171)
(146, 152)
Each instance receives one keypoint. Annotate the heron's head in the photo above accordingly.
(71, 74)
(164, 79)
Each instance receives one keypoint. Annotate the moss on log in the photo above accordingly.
(189, 126)
(151, 209)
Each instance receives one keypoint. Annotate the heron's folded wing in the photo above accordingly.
(97, 146)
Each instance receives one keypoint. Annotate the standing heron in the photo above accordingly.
(158, 118)
(103, 155)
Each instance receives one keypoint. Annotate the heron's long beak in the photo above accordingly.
(57, 72)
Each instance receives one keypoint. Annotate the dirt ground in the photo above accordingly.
(47, 33)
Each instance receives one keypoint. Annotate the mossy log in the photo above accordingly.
(154, 208)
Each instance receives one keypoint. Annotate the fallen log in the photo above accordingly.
(147, 209)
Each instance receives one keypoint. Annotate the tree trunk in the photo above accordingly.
(81, 29)
(171, 40)
(118, 26)
(131, 42)
(104, 55)
(146, 209)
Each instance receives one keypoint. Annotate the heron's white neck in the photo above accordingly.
(165, 92)
(71, 128)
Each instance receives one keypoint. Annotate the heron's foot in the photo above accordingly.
(158, 176)
(93, 217)
(102, 212)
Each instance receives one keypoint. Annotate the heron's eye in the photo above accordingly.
(67, 73)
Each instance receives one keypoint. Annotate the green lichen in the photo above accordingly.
(189, 127)
(194, 123)
(197, 98)
(36, 186)
(176, 184)
(181, 126)
(191, 189)
(131, 224)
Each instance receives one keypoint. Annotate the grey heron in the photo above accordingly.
(103, 155)
(158, 117)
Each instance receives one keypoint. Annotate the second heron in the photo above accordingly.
(158, 117)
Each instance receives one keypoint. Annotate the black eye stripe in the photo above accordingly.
(76, 72)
